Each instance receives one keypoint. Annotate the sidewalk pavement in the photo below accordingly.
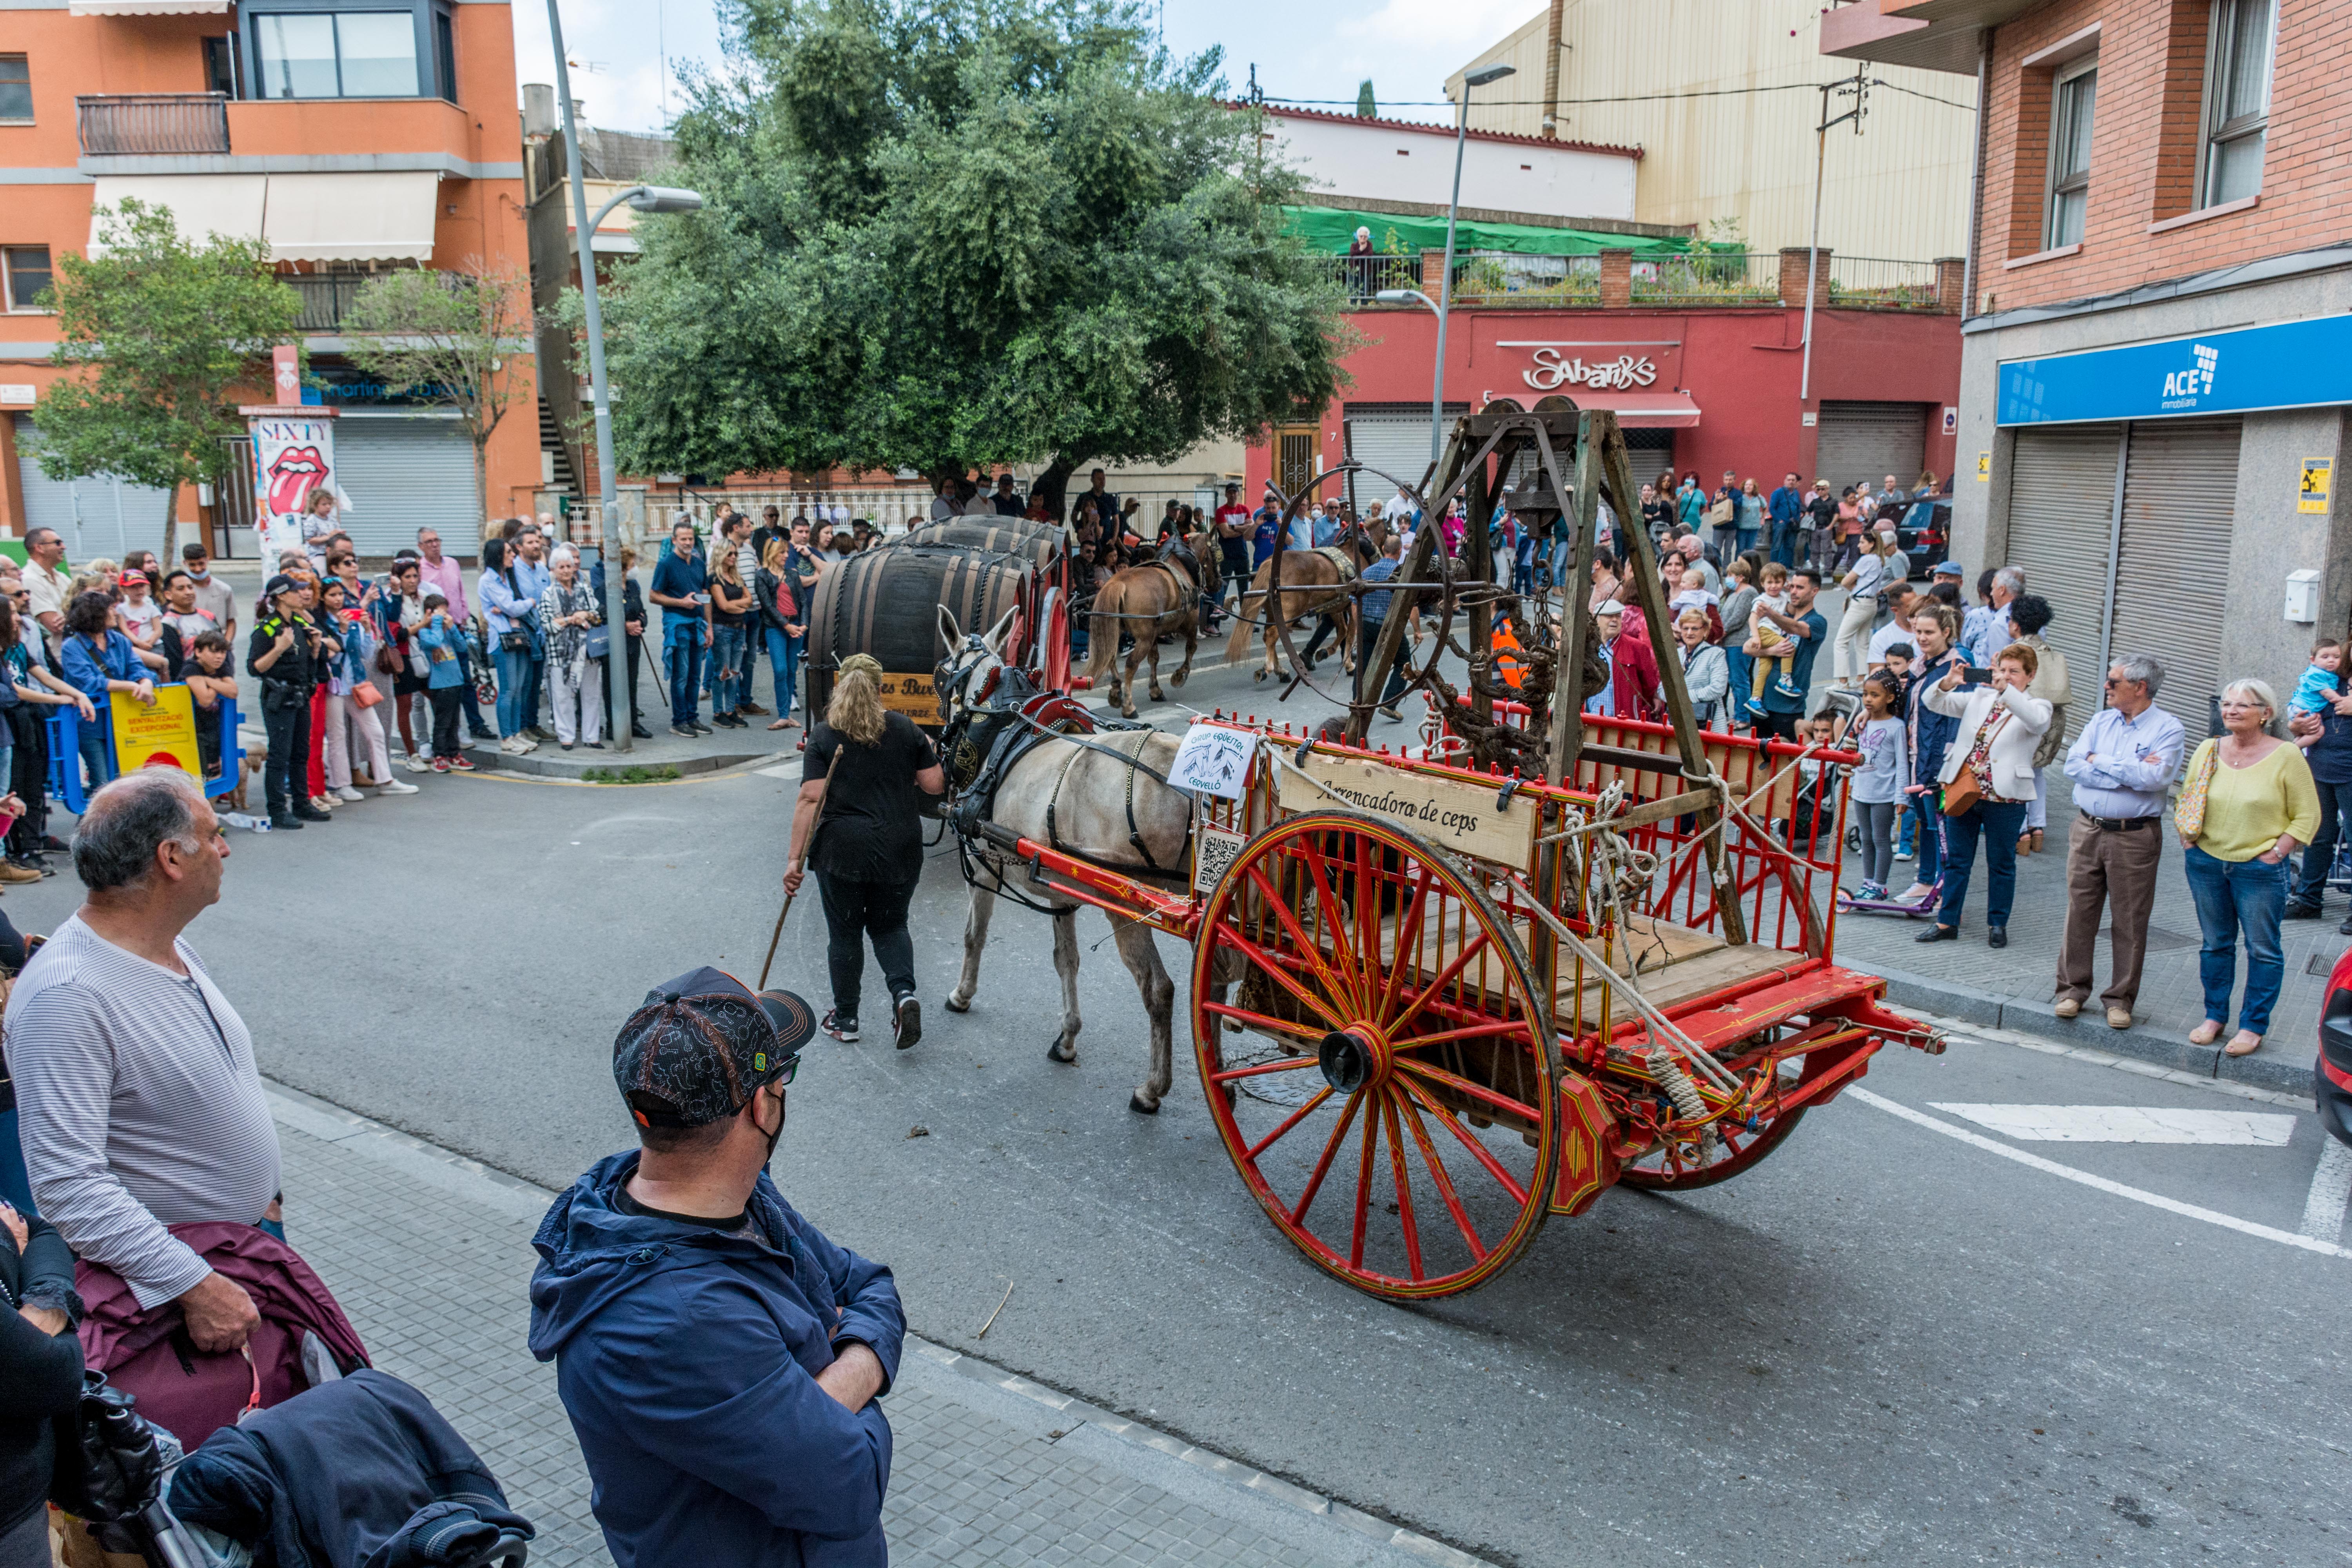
(2013, 988)
(430, 1255)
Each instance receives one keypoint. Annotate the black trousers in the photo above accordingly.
(1367, 638)
(854, 910)
(2335, 802)
(445, 701)
(288, 729)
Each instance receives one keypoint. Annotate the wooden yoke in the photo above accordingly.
(1602, 455)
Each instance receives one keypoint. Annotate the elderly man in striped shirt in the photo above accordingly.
(141, 1104)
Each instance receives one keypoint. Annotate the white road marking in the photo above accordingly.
(789, 771)
(2117, 1189)
(2331, 1190)
(2128, 1124)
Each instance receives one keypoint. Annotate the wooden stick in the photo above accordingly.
(778, 937)
(992, 1317)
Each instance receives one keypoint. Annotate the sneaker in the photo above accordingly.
(907, 1022)
(1788, 687)
(348, 792)
(1755, 705)
(1870, 892)
(14, 873)
(748, 706)
(682, 733)
(1392, 715)
(419, 763)
(511, 746)
(306, 812)
(533, 733)
(395, 786)
(1903, 855)
(439, 764)
(54, 845)
(461, 763)
(840, 1028)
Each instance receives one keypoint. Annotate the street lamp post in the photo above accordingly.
(1478, 78)
(644, 199)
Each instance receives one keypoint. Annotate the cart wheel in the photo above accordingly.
(1667, 1169)
(1385, 1084)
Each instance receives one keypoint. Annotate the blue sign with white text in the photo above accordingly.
(2291, 365)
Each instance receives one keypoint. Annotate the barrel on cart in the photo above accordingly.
(1044, 646)
(886, 602)
(1040, 543)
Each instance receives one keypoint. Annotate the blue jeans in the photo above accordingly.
(514, 683)
(1998, 825)
(474, 725)
(534, 681)
(1922, 819)
(682, 650)
(2232, 894)
(1747, 537)
(15, 1185)
(730, 676)
(96, 746)
(784, 665)
(1786, 542)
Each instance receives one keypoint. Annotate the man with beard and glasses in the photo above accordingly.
(720, 1358)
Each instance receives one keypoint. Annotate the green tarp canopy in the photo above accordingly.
(1331, 230)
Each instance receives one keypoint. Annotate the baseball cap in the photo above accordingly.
(1948, 569)
(701, 1045)
(133, 574)
(281, 584)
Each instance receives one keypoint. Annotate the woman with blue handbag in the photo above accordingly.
(569, 618)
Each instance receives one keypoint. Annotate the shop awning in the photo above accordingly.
(1639, 410)
(1332, 229)
(148, 7)
(200, 204)
(351, 217)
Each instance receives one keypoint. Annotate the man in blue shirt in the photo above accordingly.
(1372, 616)
(2122, 766)
(681, 588)
(1809, 629)
(1269, 522)
(1786, 507)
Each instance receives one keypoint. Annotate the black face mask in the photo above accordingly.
(775, 1137)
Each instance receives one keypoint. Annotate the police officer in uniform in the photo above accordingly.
(283, 656)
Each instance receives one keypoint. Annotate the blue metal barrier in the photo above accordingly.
(64, 737)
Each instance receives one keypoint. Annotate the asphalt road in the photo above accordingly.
(1886, 1344)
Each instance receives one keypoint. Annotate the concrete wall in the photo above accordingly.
(1900, 190)
(1404, 163)
(2269, 537)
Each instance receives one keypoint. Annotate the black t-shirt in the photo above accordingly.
(870, 831)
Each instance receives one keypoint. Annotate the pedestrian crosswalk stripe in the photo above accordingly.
(2128, 1124)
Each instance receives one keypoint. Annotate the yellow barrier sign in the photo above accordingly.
(163, 735)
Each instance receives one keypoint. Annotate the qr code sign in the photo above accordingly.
(1215, 850)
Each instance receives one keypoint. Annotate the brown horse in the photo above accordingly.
(1314, 583)
(1145, 602)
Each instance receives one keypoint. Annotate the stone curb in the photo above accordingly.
(469, 1178)
(1079, 1412)
(2263, 1069)
(487, 758)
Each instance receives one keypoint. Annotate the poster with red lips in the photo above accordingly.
(292, 457)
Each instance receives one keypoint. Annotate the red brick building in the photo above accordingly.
(350, 136)
(2156, 360)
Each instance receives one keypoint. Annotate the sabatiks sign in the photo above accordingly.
(292, 457)
(1552, 371)
(1453, 814)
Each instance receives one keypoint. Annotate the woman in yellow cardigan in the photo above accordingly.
(2258, 804)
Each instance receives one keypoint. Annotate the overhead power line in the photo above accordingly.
(1631, 97)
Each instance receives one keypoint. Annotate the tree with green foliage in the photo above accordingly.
(946, 234)
(444, 338)
(167, 333)
(1367, 106)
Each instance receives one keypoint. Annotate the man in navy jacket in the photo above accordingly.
(1786, 507)
(718, 1357)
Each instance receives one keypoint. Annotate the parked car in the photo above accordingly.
(2331, 1075)
(1923, 530)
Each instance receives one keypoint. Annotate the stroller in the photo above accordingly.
(357, 1472)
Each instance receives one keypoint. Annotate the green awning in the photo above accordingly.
(1332, 230)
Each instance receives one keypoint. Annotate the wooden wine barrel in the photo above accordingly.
(1036, 543)
(886, 603)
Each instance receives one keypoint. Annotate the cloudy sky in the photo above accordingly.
(1304, 48)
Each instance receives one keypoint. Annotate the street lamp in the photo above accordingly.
(644, 199)
(1478, 78)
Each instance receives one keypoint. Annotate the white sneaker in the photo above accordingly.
(514, 745)
(418, 765)
(395, 786)
(346, 792)
(526, 744)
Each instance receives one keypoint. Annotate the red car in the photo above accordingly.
(2331, 1075)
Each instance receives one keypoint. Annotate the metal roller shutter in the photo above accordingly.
(405, 473)
(101, 516)
(1871, 440)
(2180, 492)
(1394, 438)
(2061, 498)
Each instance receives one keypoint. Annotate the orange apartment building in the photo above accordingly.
(351, 136)
(2155, 364)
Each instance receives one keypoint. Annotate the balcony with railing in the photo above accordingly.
(1869, 283)
(326, 299)
(136, 123)
(1706, 277)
